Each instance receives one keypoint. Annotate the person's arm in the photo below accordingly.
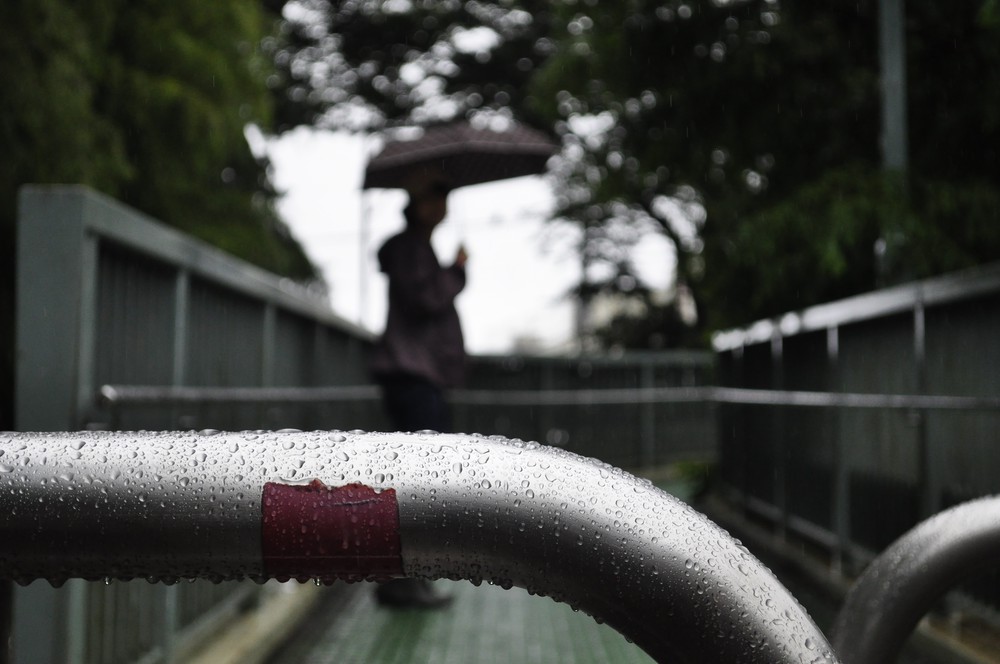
(421, 286)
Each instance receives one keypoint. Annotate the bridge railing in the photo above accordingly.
(629, 410)
(885, 400)
(179, 335)
(108, 296)
(922, 433)
(636, 411)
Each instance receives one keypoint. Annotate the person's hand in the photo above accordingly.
(461, 257)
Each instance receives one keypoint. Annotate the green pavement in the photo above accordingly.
(483, 624)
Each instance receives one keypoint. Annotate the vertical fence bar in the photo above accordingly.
(268, 350)
(892, 60)
(179, 360)
(88, 329)
(545, 416)
(268, 357)
(76, 608)
(738, 413)
(647, 435)
(6, 620)
(182, 296)
(320, 413)
(779, 443)
(840, 501)
(926, 475)
(171, 621)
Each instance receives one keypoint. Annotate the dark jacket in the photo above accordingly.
(423, 336)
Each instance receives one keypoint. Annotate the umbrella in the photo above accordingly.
(464, 154)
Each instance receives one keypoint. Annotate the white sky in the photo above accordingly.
(520, 267)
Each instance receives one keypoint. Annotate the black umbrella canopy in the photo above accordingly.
(463, 154)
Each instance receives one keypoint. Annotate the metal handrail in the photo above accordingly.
(117, 395)
(122, 395)
(724, 395)
(897, 588)
(348, 505)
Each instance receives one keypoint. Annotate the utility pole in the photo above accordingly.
(895, 157)
(892, 57)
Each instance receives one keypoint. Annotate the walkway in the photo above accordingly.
(484, 624)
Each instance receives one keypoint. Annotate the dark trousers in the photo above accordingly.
(415, 404)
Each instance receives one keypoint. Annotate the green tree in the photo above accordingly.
(181, 81)
(146, 102)
(767, 115)
(369, 64)
(746, 131)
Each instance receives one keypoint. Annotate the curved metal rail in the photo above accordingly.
(352, 506)
(896, 590)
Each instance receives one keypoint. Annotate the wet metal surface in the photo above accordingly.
(178, 505)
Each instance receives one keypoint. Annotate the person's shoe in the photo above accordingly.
(411, 594)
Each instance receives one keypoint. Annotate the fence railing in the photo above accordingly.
(576, 403)
(107, 296)
(187, 337)
(911, 379)
(845, 423)
(636, 411)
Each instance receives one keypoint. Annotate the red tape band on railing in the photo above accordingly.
(312, 530)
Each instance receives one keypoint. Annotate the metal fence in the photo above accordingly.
(106, 295)
(124, 324)
(661, 411)
(630, 411)
(853, 476)
(844, 423)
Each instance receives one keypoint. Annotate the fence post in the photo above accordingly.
(54, 367)
(39, 625)
(54, 339)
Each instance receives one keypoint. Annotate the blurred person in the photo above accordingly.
(421, 353)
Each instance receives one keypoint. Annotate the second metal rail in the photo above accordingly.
(118, 396)
(903, 582)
